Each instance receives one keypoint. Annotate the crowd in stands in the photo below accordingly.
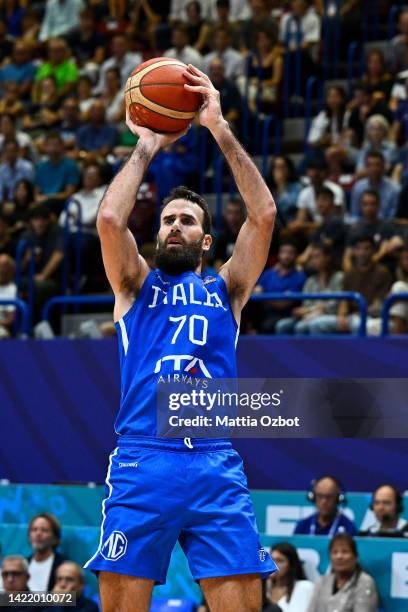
(342, 204)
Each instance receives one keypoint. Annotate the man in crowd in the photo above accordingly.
(44, 534)
(13, 169)
(387, 505)
(70, 578)
(376, 181)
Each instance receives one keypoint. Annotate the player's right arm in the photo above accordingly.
(125, 267)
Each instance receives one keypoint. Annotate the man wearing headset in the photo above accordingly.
(327, 495)
(387, 505)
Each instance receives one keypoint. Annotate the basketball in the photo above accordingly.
(156, 98)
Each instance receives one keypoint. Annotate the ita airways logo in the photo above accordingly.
(115, 546)
(262, 554)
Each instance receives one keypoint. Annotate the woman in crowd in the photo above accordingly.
(285, 186)
(328, 126)
(288, 588)
(348, 588)
(376, 78)
(113, 97)
(377, 138)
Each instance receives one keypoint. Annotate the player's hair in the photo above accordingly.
(295, 571)
(184, 193)
(53, 522)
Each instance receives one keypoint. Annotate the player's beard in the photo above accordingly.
(177, 260)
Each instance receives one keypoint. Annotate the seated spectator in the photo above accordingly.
(44, 534)
(121, 59)
(233, 217)
(31, 25)
(370, 279)
(377, 132)
(329, 125)
(20, 70)
(15, 575)
(230, 98)
(43, 114)
(86, 43)
(57, 177)
(178, 10)
(282, 278)
(6, 42)
(327, 495)
(288, 588)
(228, 17)
(399, 310)
(400, 125)
(387, 505)
(398, 46)
(197, 27)
(13, 169)
(60, 66)
(348, 588)
(284, 183)
(7, 241)
(363, 105)
(61, 17)
(70, 123)
(17, 211)
(84, 95)
(113, 97)
(376, 78)
(8, 131)
(381, 232)
(96, 138)
(8, 291)
(263, 72)
(181, 50)
(11, 103)
(324, 279)
(260, 18)
(70, 578)
(222, 49)
(376, 181)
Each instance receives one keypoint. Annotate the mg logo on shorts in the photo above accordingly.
(115, 546)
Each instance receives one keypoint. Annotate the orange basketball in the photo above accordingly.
(156, 98)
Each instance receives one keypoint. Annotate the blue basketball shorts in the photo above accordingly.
(160, 493)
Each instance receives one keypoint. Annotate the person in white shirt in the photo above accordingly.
(8, 291)
(178, 10)
(44, 534)
(231, 58)
(181, 50)
(308, 36)
(61, 17)
(288, 588)
(122, 59)
(306, 203)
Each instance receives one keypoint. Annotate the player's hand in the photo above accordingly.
(210, 114)
(155, 140)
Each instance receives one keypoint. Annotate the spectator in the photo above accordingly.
(381, 232)
(57, 177)
(348, 588)
(223, 50)
(400, 125)
(399, 310)
(282, 278)
(13, 169)
(370, 279)
(323, 280)
(113, 97)
(223, 17)
(377, 132)
(84, 95)
(17, 210)
(181, 50)
(15, 574)
(387, 505)
(288, 588)
(6, 43)
(61, 17)
(178, 10)
(59, 66)
(69, 124)
(43, 114)
(363, 105)
(234, 217)
(7, 243)
(376, 181)
(326, 493)
(96, 138)
(31, 26)
(20, 70)
(122, 59)
(70, 578)
(8, 132)
(329, 125)
(197, 27)
(229, 95)
(260, 18)
(44, 534)
(376, 78)
(263, 73)
(8, 291)
(285, 186)
(398, 46)
(86, 44)
(10, 102)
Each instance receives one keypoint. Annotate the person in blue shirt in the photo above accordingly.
(97, 137)
(20, 70)
(377, 181)
(13, 170)
(327, 495)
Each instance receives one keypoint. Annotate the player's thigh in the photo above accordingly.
(121, 593)
(241, 593)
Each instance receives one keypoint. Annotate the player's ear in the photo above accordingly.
(207, 242)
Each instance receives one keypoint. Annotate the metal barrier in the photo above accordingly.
(77, 241)
(388, 302)
(341, 295)
(62, 300)
(24, 314)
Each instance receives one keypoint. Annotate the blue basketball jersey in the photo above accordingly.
(178, 325)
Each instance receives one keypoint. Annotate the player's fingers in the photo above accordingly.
(197, 71)
(197, 88)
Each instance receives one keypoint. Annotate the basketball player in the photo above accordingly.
(171, 321)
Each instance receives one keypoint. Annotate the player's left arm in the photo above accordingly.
(243, 269)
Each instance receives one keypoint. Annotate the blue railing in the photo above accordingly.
(24, 322)
(340, 295)
(76, 241)
(62, 300)
(388, 302)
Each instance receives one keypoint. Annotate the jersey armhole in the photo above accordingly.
(224, 287)
(140, 294)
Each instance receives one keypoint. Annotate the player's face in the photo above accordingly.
(326, 493)
(384, 504)
(342, 558)
(41, 535)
